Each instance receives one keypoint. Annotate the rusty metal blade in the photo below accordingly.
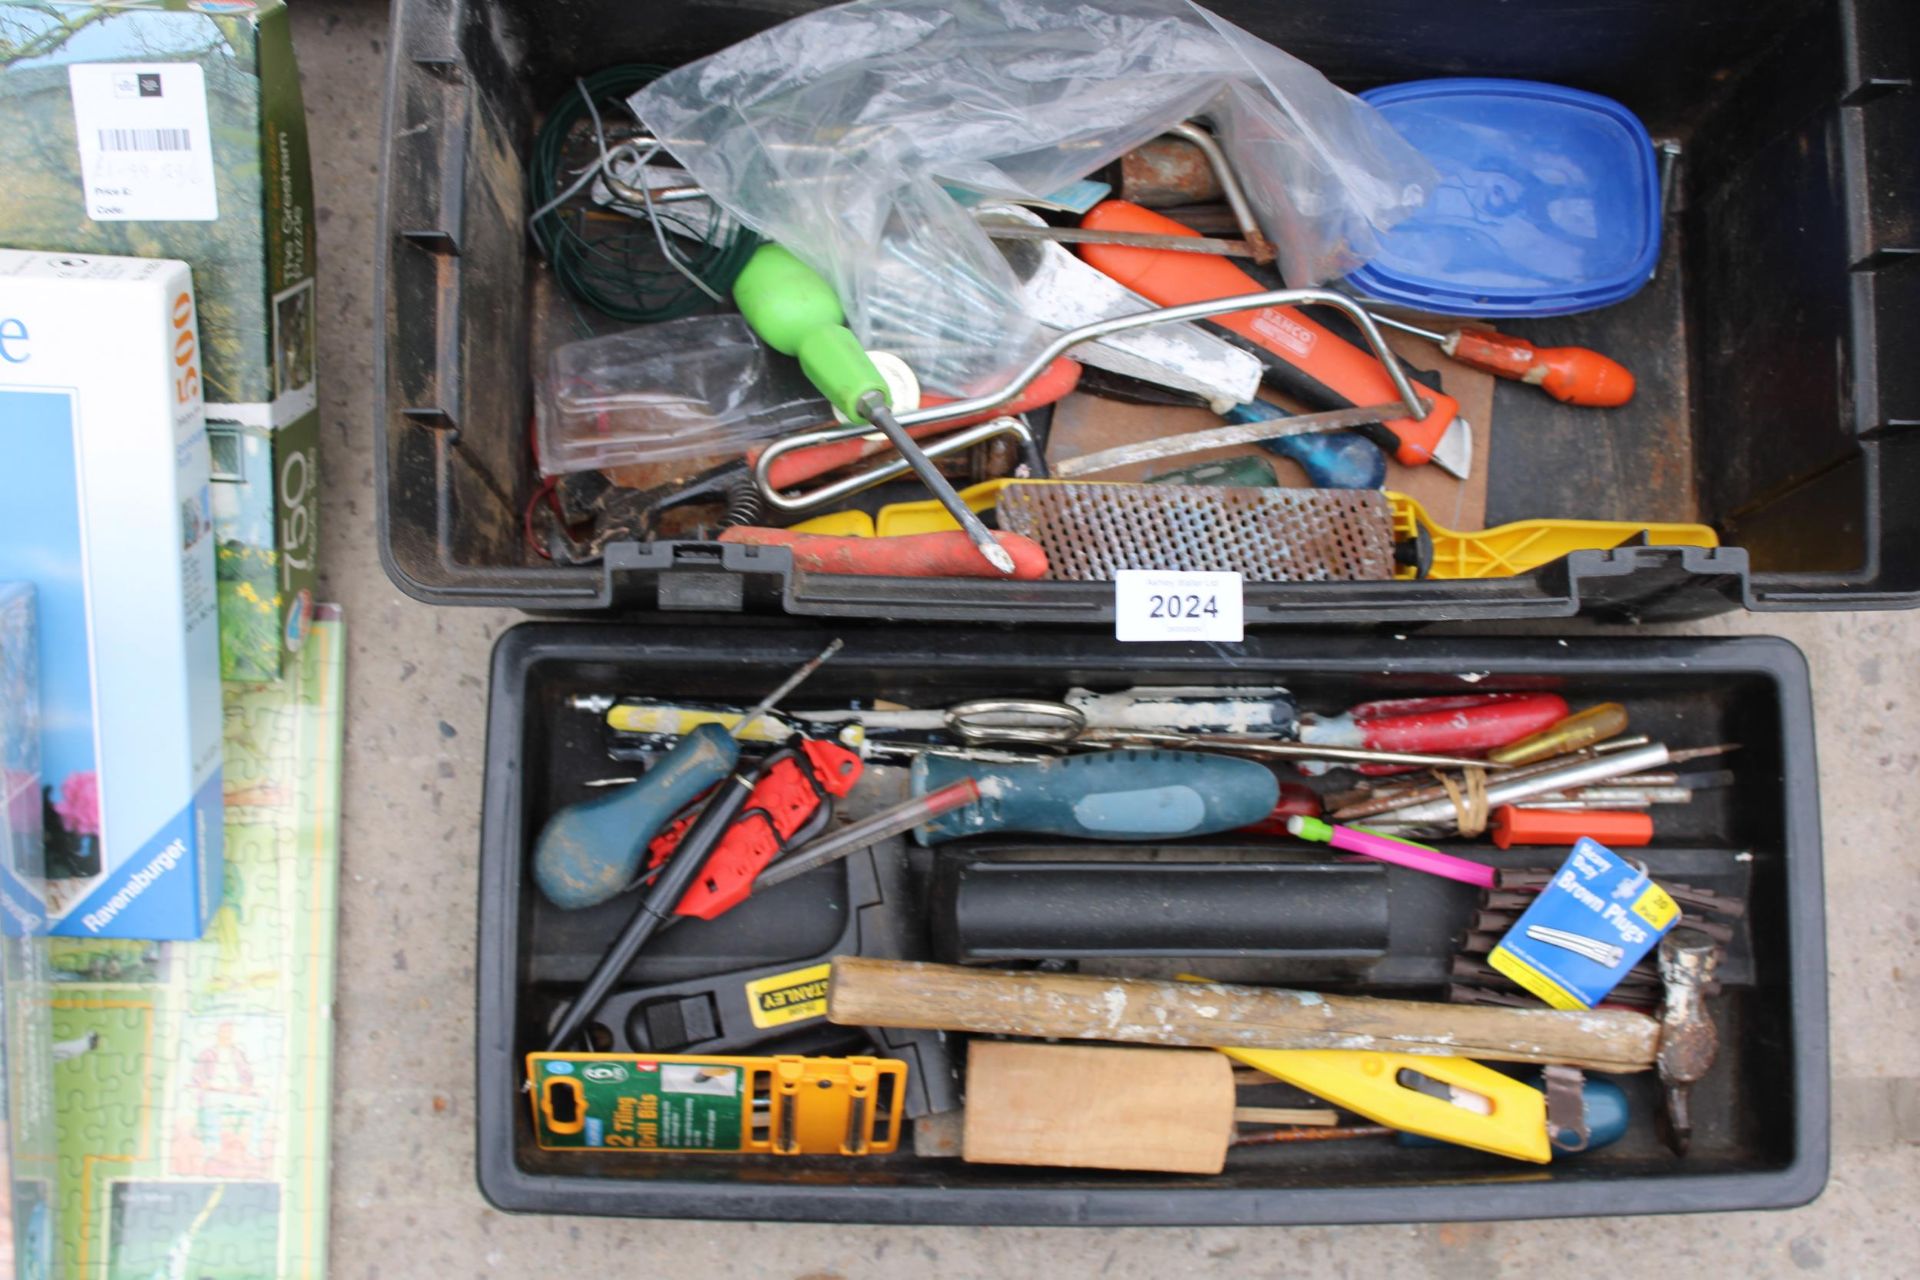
(1226, 437)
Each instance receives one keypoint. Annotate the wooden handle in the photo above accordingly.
(897, 993)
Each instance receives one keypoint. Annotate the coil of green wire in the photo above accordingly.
(613, 263)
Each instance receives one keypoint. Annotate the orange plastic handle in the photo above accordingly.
(1571, 375)
(1335, 373)
(1054, 382)
(1621, 828)
(948, 554)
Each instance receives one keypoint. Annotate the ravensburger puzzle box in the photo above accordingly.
(105, 510)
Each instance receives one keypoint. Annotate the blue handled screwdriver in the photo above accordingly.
(590, 852)
(1331, 459)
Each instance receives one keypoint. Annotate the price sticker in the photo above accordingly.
(1151, 604)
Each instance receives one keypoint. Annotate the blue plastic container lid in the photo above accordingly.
(1549, 201)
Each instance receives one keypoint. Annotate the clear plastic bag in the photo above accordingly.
(837, 133)
(686, 388)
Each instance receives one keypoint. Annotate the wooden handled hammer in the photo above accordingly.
(894, 993)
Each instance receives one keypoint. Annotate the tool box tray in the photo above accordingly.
(1776, 391)
(1761, 1115)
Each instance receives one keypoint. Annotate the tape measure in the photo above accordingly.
(787, 1105)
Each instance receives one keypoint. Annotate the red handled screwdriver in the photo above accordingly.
(1571, 375)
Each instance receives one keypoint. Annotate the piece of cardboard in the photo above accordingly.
(220, 76)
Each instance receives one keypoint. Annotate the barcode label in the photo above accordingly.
(146, 140)
(146, 152)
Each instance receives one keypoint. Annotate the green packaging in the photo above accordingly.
(174, 128)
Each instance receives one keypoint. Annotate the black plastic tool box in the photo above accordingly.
(1761, 1133)
(1778, 398)
(1776, 402)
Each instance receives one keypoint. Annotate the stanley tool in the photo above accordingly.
(795, 312)
(1305, 359)
(782, 1005)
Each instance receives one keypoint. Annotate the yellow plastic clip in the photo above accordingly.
(1516, 548)
(839, 524)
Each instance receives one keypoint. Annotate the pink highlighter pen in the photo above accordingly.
(1403, 853)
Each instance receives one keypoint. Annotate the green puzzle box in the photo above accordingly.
(174, 129)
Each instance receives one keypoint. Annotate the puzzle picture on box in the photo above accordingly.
(193, 1077)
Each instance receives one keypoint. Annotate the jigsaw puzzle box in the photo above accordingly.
(104, 509)
(174, 129)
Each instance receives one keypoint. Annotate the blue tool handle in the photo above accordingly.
(1104, 795)
(1607, 1119)
(1332, 460)
(590, 852)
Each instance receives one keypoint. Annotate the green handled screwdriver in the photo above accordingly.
(796, 313)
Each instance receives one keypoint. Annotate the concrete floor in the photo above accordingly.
(405, 1202)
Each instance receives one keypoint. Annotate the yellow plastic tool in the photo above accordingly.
(1511, 549)
(784, 1106)
(1501, 552)
(1487, 1111)
(1376, 1086)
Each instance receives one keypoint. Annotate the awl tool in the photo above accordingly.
(1305, 358)
(1571, 375)
(796, 313)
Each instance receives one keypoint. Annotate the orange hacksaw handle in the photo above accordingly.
(1333, 373)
